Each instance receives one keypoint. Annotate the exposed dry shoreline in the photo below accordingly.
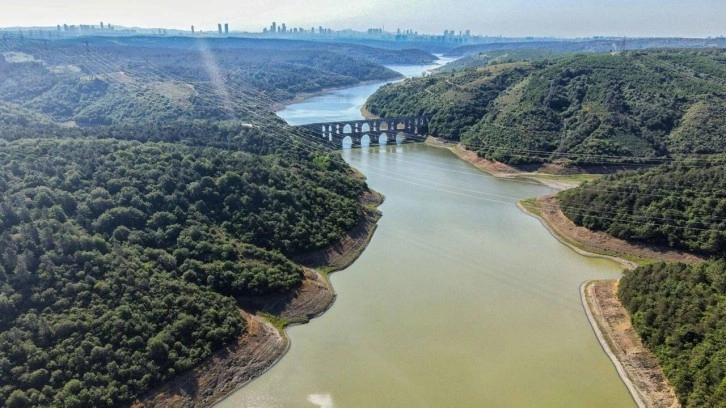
(502, 170)
(263, 345)
(595, 243)
(635, 364)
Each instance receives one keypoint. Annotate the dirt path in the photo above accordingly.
(636, 365)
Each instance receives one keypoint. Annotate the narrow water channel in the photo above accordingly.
(460, 300)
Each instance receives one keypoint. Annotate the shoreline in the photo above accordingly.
(590, 304)
(503, 171)
(265, 341)
(596, 243)
(635, 364)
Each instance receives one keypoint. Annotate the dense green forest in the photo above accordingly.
(680, 205)
(575, 110)
(120, 259)
(679, 311)
(145, 193)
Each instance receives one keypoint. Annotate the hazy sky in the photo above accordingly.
(563, 18)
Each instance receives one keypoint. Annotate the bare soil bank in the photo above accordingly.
(234, 365)
(636, 364)
(263, 345)
(547, 210)
(589, 242)
(550, 175)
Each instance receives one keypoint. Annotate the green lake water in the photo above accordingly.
(460, 300)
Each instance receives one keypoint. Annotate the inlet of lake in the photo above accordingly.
(460, 300)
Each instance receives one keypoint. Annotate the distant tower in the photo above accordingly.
(192, 30)
(219, 28)
(284, 28)
(59, 28)
(226, 28)
(273, 27)
(101, 25)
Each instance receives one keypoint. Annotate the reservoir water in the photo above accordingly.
(460, 300)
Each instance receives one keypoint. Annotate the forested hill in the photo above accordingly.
(588, 45)
(145, 194)
(120, 261)
(679, 311)
(680, 205)
(500, 57)
(90, 84)
(577, 110)
(380, 55)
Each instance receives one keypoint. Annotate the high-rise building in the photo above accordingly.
(219, 28)
(284, 28)
(192, 29)
(273, 27)
(226, 28)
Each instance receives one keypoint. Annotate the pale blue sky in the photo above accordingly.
(563, 18)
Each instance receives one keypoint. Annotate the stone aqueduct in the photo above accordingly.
(378, 131)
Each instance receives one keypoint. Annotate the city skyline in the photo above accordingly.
(564, 18)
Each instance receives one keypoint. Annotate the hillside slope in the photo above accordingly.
(146, 196)
(578, 110)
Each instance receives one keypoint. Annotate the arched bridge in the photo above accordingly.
(372, 131)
